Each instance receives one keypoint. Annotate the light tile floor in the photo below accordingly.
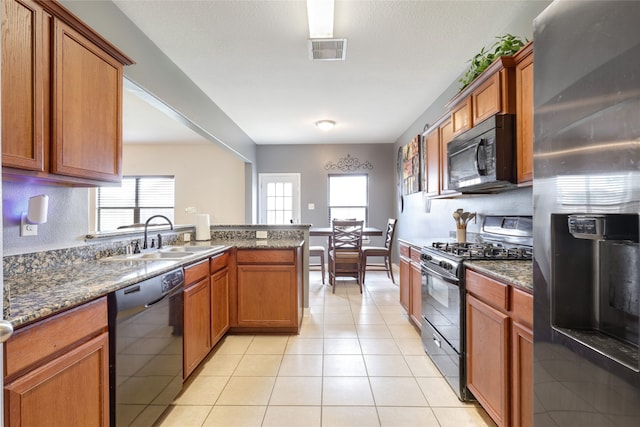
(356, 362)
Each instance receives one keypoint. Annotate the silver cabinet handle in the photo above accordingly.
(6, 330)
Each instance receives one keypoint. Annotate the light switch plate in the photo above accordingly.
(261, 234)
(311, 206)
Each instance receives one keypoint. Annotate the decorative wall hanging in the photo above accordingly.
(348, 164)
(411, 182)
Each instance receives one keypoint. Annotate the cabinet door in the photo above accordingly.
(87, 109)
(446, 135)
(267, 296)
(461, 116)
(524, 118)
(416, 295)
(487, 358)
(405, 282)
(25, 84)
(486, 99)
(71, 390)
(521, 375)
(197, 324)
(219, 305)
(432, 163)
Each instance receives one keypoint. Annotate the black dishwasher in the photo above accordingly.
(145, 348)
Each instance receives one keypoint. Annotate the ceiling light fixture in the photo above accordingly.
(325, 125)
(320, 15)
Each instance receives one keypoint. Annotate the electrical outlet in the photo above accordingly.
(261, 234)
(311, 206)
(27, 229)
(186, 237)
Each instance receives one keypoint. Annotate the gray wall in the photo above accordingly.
(310, 161)
(68, 219)
(421, 219)
(433, 219)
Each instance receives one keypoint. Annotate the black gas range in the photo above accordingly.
(506, 238)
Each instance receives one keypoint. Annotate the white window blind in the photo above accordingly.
(137, 199)
(349, 197)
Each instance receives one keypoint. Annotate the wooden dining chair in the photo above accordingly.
(380, 251)
(345, 258)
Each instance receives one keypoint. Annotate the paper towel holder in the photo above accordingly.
(203, 227)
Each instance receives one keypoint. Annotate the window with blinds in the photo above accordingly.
(349, 197)
(137, 199)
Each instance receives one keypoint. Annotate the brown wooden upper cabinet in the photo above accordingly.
(524, 112)
(435, 141)
(61, 97)
(493, 92)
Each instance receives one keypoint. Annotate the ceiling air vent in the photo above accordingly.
(327, 49)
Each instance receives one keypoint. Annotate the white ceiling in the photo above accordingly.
(251, 59)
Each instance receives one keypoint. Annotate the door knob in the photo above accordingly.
(6, 330)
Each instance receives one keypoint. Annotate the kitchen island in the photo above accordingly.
(31, 295)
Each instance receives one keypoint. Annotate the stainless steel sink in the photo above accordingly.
(173, 249)
(168, 253)
(150, 256)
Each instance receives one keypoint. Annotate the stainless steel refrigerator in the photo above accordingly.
(586, 203)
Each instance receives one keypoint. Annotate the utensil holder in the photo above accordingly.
(461, 235)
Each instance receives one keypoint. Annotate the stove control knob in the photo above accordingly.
(445, 265)
(426, 257)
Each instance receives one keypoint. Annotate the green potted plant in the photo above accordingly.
(506, 45)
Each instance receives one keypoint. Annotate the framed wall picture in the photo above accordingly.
(411, 180)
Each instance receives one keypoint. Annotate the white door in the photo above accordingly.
(279, 198)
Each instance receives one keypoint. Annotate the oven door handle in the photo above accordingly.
(447, 278)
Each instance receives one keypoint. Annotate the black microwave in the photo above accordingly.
(482, 159)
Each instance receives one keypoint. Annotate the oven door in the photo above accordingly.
(441, 304)
(442, 336)
(467, 161)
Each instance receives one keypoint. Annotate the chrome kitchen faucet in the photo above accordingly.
(146, 226)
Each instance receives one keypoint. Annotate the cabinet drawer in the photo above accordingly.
(266, 256)
(218, 262)
(41, 340)
(415, 255)
(522, 306)
(195, 272)
(487, 289)
(405, 250)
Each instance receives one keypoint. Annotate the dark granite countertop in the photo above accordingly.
(518, 273)
(35, 295)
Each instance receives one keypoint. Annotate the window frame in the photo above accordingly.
(137, 198)
(366, 206)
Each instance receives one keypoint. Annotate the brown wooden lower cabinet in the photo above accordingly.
(206, 308)
(500, 349)
(219, 297)
(411, 282)
(197, 324)
(405, 281)
(521, 375)
(57, 370)
(269, 289)
(487, 358)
